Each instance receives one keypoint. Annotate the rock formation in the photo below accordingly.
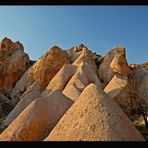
(113, 62)
(47, 66)
(5, 105)
(19, 88)
(118, 90)
(38, 119)
(13, 63)
(83, 76)
(32, 93)
(85, 56)
(74, 95)
(61, 79)
(94, 117)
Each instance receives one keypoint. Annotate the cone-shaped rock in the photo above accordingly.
(32, 93)
(60, 80)
(38, 119)
(94, 117)
(83, 76)
(85, 56)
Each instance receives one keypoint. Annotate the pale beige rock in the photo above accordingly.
(19, 88)
(105, 72)
(61, 79)
(47, 66)
(94, 117)
(38, 119)
(13, 63)
(118, 90)
(73, 53)
(32, 93)
(83, 76)
(119, 63)
(113, 62)
(116, 85)
(85, 56)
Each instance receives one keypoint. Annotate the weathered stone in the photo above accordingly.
(61, 79)
(83, 76)
(86, 56)
(94, 117)
(32, 93)
(119, 63)
(47, 66)
(38, 119)
(118, 90)
(5, 105)
(113, 62)
(19, 88)
(73, 53)
(13, 63)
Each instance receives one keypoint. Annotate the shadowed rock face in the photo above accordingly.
(13, 63)
(69, 95)
(19, 88)
(32, 93)
(5, 105)
(83, 76)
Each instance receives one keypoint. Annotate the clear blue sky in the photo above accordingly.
(100, 28)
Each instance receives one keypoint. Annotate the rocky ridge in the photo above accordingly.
(69, 95)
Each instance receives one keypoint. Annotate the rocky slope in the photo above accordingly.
(69, 95)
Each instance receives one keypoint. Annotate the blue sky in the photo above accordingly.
(100, 28)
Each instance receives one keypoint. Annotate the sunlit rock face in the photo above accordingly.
(47, 66)
(94, 117)
(13, 63)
